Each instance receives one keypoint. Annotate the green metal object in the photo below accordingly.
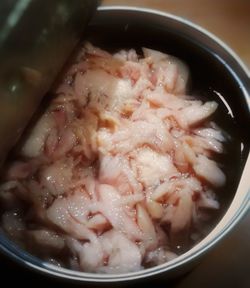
(36, 38)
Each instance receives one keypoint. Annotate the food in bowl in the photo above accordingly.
(119, 173)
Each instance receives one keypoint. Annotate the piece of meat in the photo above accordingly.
(208, 200)
(111, 208)
(85, 130)
(173, 72)
(196, 113)
(154, 208)
(159, 256)
(102, 90)
(98, 222)
(209, 171)
(90, 254)
(183, 213)
(60, 215)
(35, 140)
(123, 254)
(116, 171)
(146, 225)
(151, 167)
(137, 134)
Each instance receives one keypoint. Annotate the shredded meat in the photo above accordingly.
(117, 172)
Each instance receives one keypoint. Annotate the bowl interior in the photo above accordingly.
(213, 77)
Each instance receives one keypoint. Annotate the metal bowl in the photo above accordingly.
(214, 68)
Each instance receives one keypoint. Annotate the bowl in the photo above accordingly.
(216, 73)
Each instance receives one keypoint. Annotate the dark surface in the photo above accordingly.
(227, 265)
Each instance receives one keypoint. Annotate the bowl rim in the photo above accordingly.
(184, 21)
(242, 204)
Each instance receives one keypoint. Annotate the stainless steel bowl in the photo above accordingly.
(214, 67)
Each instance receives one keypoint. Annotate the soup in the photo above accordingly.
(124, 168)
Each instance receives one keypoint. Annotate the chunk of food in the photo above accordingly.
(123, 254)
(151, 167)
(34, 144)
(118, 173)
(208, 170)
(112, 208)
(197, 112)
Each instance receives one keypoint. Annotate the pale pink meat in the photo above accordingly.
(171, 72)
(90, 254)
(183, 212)
(147, 227)
(151, 167)
(208, 170)
(118, 172)
(111, 207)
(63, 214)
(196, 113)
(124, 255)
(34, 144)
(139, 133)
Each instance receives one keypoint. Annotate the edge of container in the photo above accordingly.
(36, 264)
